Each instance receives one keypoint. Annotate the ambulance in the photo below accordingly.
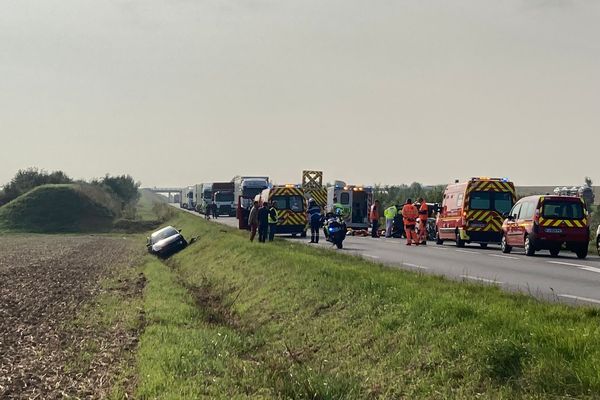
(291, 208)
(474, 211)
(354, 201)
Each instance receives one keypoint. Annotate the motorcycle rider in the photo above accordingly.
(423, 215)
(410, 214)
(314, 219)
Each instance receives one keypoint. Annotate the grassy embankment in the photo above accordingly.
(227, 318)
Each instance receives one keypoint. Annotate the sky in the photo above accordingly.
(178, 92)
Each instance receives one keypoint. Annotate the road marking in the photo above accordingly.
(467, 251)
(501, 256)
(370, 256)
(591, 269)
(568, 264)
(438, 247)
(476, 278)
(570, 296)
(415, 266)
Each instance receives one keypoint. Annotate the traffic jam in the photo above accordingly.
(480, 210)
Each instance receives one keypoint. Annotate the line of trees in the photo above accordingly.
(398, 194)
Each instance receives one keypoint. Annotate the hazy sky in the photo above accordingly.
(176, 92)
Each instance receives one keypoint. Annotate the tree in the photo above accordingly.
(30, 178)
(124, 187)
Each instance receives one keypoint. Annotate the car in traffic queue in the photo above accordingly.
(547, 223)
(166, 241)
(291, 207)
(472, 211)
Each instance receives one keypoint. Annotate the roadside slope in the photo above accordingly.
(229, 318)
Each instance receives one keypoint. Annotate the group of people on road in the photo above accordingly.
(264, 220)
(212, 210)
(410, 213)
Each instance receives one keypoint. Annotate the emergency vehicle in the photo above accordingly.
(547, 223)
(473, 211)
(354, 201)
(312, 183)
(291, 208)
(246, 188)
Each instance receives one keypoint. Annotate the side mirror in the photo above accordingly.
(505, 215)
(179, 230)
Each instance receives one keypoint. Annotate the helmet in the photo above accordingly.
(311, 202)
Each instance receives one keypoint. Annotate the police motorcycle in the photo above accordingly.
(335, 228)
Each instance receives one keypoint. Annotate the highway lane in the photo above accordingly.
(564, 278)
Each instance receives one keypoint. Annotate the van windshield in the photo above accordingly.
(498, 201)
(562, 209)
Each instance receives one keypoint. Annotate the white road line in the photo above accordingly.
(414, 266)
(467, 251)
(501, 256)
(438, 247)
(370, 256)
(476, 278)
(568, 264)
(587, 299)
(591, 269)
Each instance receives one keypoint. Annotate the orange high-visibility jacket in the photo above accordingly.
(410, 214)
(423, 212)
(374, 212)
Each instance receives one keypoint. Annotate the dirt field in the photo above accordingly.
(44, 281)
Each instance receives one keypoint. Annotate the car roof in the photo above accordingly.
(166, 228)
(552, 197)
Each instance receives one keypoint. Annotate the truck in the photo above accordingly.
(246, 188)
(188, 198)
(354, 200)
(223, 198)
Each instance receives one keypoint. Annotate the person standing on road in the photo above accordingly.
(423, 215)
(263, 223)
(410, 214)
(273, 218)
(253, 220)
(374, 217)
(314, 219)
(215, 210)
(389, 213)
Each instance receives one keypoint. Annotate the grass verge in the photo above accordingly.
(229, 318)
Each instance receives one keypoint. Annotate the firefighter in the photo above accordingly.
(410, 214)
(374, 217)
(273, 218)
(389, 213)
(423, 215)
(314, 219)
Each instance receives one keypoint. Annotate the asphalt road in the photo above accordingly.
(564, 278)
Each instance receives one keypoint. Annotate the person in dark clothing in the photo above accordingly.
(263, 223)
(215, 210)
(314, 219)
(273, 219)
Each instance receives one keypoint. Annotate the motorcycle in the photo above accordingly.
(335, 229)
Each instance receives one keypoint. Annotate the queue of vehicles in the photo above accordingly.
(480, 210)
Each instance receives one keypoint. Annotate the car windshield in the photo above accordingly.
(498, 201)
(562, 209)
(228, 196)
(293, 203)
(163, 234)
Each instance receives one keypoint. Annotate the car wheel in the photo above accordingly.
(339, 244)
(459, 241)
(437, 238)
(555, 252)
(582, 252)
(483, 245)
(504, 245)
(303, 234)
(529, 248)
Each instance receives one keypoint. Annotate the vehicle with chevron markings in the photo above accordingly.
(473, 211)
(548, 223)
(291, 207)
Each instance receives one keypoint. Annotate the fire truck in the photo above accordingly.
(291, 205)
(246, 188)
(473, 211)
(354, 201)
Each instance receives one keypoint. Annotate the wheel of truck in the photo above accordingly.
(294, 235)
(504, 245)
(459, 241)
(483, 245)
(339, 244)
(582, 252)
(554, 252)
(303, 234)
(437, 238)
(529, 247)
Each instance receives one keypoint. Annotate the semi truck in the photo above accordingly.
(246, 188)
(218, 193)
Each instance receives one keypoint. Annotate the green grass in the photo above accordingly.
(59, 209)
(227, 318)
